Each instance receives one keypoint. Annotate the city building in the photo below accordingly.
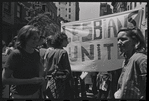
(12, 20)
(105, 9)
(51, 9)
(119, 6)
(69, 11)
(17, 14)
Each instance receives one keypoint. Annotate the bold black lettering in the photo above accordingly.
(108, 49)
(74, 32)
(113, 26)
(73, 59)
(99, 52)
(84, 51)
(89, 36)
(99, 27)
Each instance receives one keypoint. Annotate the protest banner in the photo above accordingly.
(93, 43)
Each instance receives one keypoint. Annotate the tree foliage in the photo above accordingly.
(44, 24)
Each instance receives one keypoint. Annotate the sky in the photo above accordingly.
(89, 10)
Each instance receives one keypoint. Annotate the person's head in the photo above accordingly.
(49, 40)
(131, 40)
(28, 36)
(60, 39)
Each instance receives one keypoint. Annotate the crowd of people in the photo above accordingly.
(35, 69)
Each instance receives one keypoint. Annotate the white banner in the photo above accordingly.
(93, 43)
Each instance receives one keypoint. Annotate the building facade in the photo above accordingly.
(17, 14)
(12, 20)
(105, 9)
(69, 11)
(51, 9)
(119, 6)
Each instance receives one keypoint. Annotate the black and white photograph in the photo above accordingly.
(74, 50)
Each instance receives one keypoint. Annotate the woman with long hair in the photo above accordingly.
(23, 69)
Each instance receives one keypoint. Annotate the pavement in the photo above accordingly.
(5, 93)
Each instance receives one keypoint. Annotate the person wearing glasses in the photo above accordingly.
(23, 69)
(132, 81)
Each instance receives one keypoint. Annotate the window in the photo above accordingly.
(69, 9)
(130, 5)
(146, 40)
(44, 7)
(69, 16)
(65, 15)
(52, 15)
(7, 7)
(127, 7)
(69, 3)
(19, 11)
(27, 13)
(146, 11)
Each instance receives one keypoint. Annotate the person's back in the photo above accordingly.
(58, 64)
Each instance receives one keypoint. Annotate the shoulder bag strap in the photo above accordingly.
(46, 53)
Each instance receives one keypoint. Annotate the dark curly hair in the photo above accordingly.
(58, 39)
